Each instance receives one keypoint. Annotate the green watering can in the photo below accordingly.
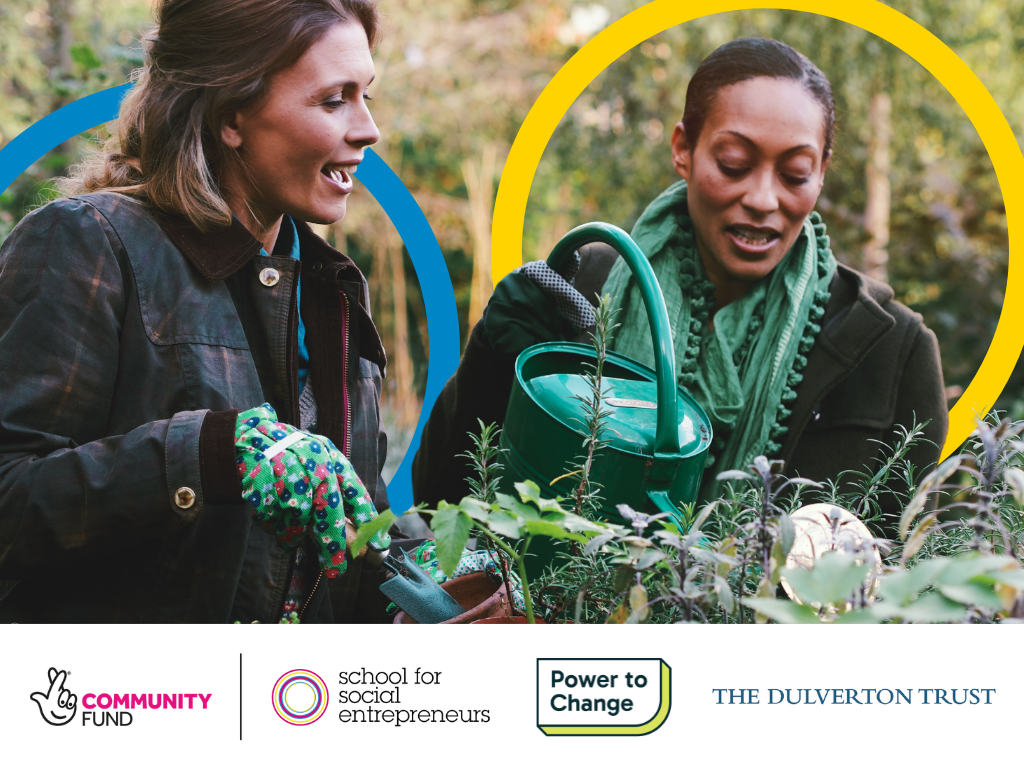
(658, 436)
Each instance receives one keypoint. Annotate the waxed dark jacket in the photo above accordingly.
(874, 366)
(128, 343)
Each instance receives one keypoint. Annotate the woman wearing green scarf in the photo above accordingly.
(792, 355)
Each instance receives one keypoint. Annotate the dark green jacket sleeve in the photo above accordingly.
(479, 389)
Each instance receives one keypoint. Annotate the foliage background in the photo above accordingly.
(457, 77)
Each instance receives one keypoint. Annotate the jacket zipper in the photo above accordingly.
(346, 437)
(305, 605)
(292, 351)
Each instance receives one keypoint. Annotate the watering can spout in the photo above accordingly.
(663, 503)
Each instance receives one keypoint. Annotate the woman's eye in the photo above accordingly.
(333, 103)
(732, 170)
(795, 181)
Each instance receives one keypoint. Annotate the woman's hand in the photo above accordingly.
(300, 483)
(532, 305)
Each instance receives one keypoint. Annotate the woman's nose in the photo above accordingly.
(761, 196)
(363, 131)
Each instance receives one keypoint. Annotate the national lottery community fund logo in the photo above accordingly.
(58, 705)
(300, 697)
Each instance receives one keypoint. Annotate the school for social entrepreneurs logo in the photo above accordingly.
(58, 705)
(300, 697)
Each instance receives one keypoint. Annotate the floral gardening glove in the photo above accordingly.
(425, 556)
(299, 483)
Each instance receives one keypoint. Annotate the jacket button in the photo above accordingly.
(316, 266)
(270, 277)
(184, 497)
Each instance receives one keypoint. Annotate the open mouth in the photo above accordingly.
(753, 238)
(339, 177)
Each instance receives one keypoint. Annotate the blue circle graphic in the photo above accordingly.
(381, 182)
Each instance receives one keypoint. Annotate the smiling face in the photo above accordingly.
(752, 178)
(302, 143)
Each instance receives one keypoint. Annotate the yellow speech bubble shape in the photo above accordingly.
(881, 20)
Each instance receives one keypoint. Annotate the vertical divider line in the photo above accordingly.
(239, 697)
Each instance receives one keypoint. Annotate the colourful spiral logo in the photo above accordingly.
(300, 697)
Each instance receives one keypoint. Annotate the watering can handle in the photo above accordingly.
(666, 439)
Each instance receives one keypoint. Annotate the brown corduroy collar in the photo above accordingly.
(220, 253)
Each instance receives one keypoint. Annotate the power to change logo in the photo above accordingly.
(602, 697)
(300, 697)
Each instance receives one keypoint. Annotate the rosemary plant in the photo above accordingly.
(596, 414)
(484, 461)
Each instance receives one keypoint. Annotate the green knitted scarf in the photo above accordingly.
(744, 371)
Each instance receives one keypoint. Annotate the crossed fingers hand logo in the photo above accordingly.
(58, 705)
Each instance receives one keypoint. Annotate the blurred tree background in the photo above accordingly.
(911, 196)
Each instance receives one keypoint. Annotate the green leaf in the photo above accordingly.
(1014, 478)
(638, 602)
(475, 508)
(782, 611)
(779, 560)
(787, 535)
(85, 56)
(936, 477)
(725, 596)
(367, 531)
(900, 587)
(734, 474)
(555, 531)
(918, 537)
(451, 528)
(972, 594)
(1012, 577)
(620, 615)
(577, 523)
(650, 559)
(525, 511)
(705, 513)
(596, 543)
(504, 524)
(623, 577)
(832, 581)
(530, 492)
(505, 501)
(932, 608)
(966, 567)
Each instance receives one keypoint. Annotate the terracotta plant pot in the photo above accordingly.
(475, 592)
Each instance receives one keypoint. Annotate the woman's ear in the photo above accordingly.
(231, 131)
(682, 155)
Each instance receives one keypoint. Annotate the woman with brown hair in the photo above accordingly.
(178, 285)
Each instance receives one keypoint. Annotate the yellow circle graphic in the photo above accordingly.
(881, 20)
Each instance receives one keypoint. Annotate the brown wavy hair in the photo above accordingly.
(204, 61)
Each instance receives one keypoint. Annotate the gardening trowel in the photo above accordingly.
(416, 593)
